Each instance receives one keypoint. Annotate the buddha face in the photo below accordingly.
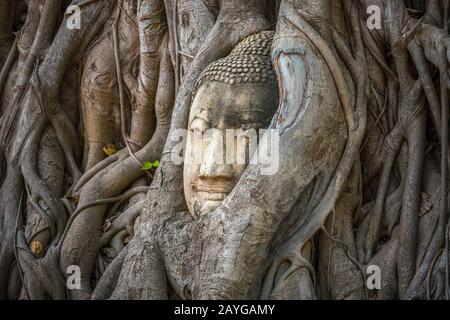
(216, 108)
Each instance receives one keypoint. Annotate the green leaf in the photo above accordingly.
(155, 164)
(147, 165)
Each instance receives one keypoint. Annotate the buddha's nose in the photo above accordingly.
(213, 165)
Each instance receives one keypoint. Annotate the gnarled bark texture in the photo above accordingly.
(88, 134)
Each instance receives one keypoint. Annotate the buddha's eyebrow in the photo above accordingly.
(199, 118)
(253, 111)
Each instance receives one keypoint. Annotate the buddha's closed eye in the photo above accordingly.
(199, 124)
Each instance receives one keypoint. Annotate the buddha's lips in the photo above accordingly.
(215, 193)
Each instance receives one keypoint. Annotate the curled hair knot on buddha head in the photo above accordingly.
(249, 62)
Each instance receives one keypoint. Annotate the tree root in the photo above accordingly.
(105, 286)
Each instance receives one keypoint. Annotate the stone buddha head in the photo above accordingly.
(238, 93)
